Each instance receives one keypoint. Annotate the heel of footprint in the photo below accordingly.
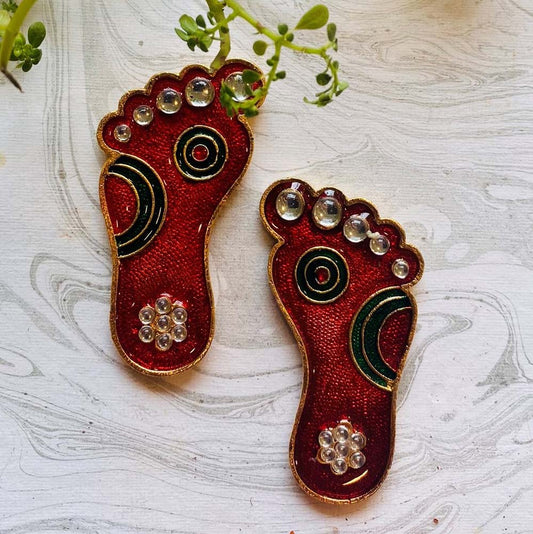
(342, 277)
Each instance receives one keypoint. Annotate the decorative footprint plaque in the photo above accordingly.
(173, 156)
(341, 277)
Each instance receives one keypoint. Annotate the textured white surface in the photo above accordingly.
(436, 130)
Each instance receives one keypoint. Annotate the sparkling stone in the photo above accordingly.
(342, 449)
(341, 433)
(327, 212)
(168, 101)
(379, 245)
(163, 341)
(122, 133)
(146, 334)
(357, 441)
(163, 305)
(163, 323)
(327, 454)
(355, 229)
(236, 84)
(143, 115)
(357, 460)
(146, 315)
(199, 92)
(179, 333)
(400, 268)
(325, 438)
(290, 204)
(339, 466)
(179, 315)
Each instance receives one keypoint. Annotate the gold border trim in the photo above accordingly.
(112, 155)
(279, 243)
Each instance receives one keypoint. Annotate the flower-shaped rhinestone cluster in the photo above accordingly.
(165, 323)
(340, 447)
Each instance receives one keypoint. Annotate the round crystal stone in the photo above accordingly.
(400, 268)
(146, 315)
(199, 92)
(327, 212)
(163, 323)
(357, 460)
(122, 133)
(179, 315)
(179, 333)
(290, 204)
(355, 229)
(379, 245)
(143, 115)
(163, 341)
(339, 466)
(238, 87)
(146, 334)
(341, 433)
(163, 305)
(342, 449)
(357, 441)
(327, 454)
(168, 101)
(325, 438)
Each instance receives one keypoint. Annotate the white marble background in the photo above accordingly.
(436, 130)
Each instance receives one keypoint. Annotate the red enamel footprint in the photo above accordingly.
(173, 157)
(341, 277)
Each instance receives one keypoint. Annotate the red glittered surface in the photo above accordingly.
(173, 262)
(335, 388)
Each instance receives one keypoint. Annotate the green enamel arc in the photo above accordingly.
(152, 204)
(322, 257)
(364, 335)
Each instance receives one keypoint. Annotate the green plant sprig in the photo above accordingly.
(198, 33)
(14, 46)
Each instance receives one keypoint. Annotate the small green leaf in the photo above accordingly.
(36, 56)
(200, 21)
(27, 65)
(282, 29)
(181, 34)
(36, 34)
(341, 87)
(281, 75)
(211, 17)
(260, 47)
(250, 76)
(315, 18)
(332, 31)
(290, 37)
(4, 20)
(188, 24)
(323, 78)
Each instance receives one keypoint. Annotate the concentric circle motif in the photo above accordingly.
(200, 153)
(322, 275)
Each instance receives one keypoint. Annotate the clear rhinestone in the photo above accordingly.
(400, 268)
(290, 204)
(146, 334)
(339, 466)
(163, 323)
(325, 438)
(179, 315)
(327, 212)
(163, 305)
(168, 101)
(179, 333)
(357, 460)
(341, 433)
(199, 92)
(122, 133)
(143, 115)
(342, 449)
(236, 84)
(146, 315)
(327, 454)
(355, 229)
(379, 245)
(357, 441)
(163, 341)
